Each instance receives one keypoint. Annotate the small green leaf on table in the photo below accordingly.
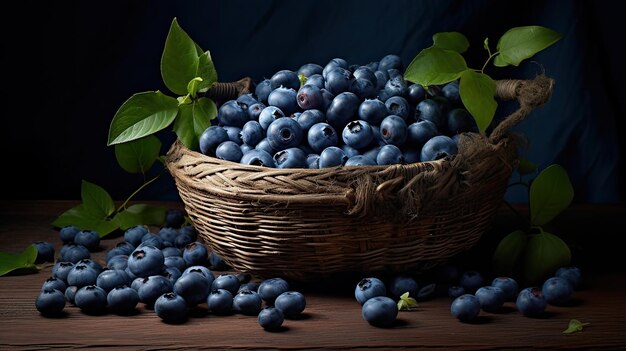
(96, 200)
(143, 114)
(138, 156)
(434, 66)
(550, 193)
(520, 43)
(140, 214)
(575, 326)
(454, 41)
(21, 263)
(179, 62)
(477, 92)
(193, 120)
(406, 303)
(508, 252)
(544, 254)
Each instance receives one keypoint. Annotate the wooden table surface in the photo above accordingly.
(331, 321)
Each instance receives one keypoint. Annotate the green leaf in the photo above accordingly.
(435, 66)
(86, 220)
(508, 252)
(454, 41)
(206, 71)
(545, 253)
(192, 87)
(550, 193)
(96, 200)
(193, 120)
(520, 43)
(486, 44)
(406, 303)
(477, 92)
(140, 214)
(574, 326)
(22, 263)
(138, 156)
(525, 166)
(143, 114)
(179, 62)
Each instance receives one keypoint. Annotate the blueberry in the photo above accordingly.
(234, 134)
(364, 72)
(310, 117)
(358, 134)
(455, 291)
(402, 284)
(284, 133)
(378, 138)
(54, 283)
(290, 303)
(146, 261)
(183, 240)
(246, 100)
(426, 292)
(572, 274)
(217, 262)
(91, 263)
(460, 121)
(50, 302)
(332, 64)
(271, 318)
(169, 234)
(68, 233)
(123, 248)
(247, 302)
(211, 138)
(390, 62)
(368, 288)
(70, 293)
(411, 155)
(451, 92)
(381, 79)
(396, 86)
(201, 269)
(151, 239)
(321, 136)
(316, 80)
(389, 155)
(393, 130)
(397, 105)
(363, 88)
(285, 99)
(252, 286)
(232, 113)
(332, 157)
(420, 132)
(112, 278)
(227, 282)
(530, 302)
(195, 254)
(373, 111)
(133, 235)
(271, 288)
(285, 78)
(415, 94)
(310, 97)
(269, 115)
(310, 69)
(360, 160)
(491, 298)
(264, 145)
(74, 253)
(91, 299)
(257, 158)
(45, 252)
(471, 280)
(437, 148)
(557, 291)
(176, 262)
(172, 274)
(130, 274)
(350, 151)
(465, 307)
(429, 110)
(383, 95)
(193, 287)
(220, 301)
(171, 308)
(153, 287)
(61, 269)
(290, 158)
(82, 275)
(254, 111)
(229, 151)
(328, 99)
(343, 109)
(263, 90)
(122, 299)
(313, 161)
(252, 133)
(172, 251)
(380, 311)
(433, 91)
(508, 285)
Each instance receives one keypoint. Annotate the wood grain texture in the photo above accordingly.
(330, 322)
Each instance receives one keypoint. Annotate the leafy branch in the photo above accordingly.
(443, 63)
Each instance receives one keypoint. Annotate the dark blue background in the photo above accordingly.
(95, 55)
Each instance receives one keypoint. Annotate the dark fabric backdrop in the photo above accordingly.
(86, 58)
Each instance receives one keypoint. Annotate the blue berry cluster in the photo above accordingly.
(339, 115)
(168, 271)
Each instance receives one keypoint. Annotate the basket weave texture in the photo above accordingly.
(305, 223)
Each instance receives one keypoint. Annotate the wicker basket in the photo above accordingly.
(303, 223)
